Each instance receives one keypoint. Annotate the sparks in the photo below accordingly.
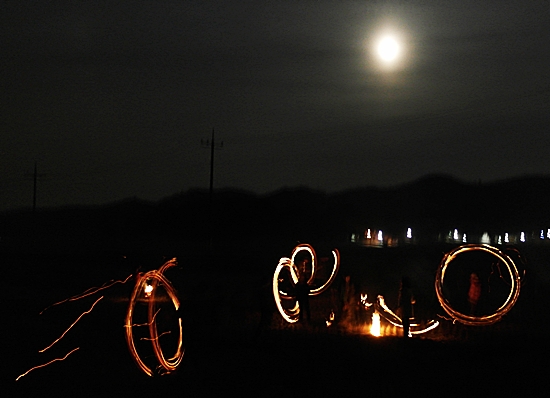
(70, 327)
(146, 323)
(46, 364)
(89, 292)
(160, 335)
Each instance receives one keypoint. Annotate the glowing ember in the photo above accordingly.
(291, 315)
(502, 310)
(330, 319)
(148, 290)
(166, 365)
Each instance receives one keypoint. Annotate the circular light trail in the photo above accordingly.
(291, 315)
(153, 279)
(502, 310)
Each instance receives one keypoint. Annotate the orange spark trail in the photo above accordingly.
(144, 324)
(69, 328)
(46, 364)
(89, 292)
(160, 335)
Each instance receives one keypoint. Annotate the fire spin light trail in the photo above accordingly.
(291, 315)
(168, 365)
(382, 310)
(88, 292)
(502, 310)
(414, 328)
(70, 327)
(48, 363)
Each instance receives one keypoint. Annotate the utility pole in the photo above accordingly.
(34, 221)
(35, 177)
(212, 144)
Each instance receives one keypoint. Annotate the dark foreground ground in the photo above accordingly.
(227, 353)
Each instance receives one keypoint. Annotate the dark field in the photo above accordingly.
(230, 351)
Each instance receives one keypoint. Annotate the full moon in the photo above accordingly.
(388, 49)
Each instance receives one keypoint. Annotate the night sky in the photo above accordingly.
(111, 99)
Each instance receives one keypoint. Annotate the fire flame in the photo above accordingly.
(375, 325)
(148, 290)
(330, 319)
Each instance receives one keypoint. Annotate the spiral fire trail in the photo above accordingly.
(291, 315)
(156, 277)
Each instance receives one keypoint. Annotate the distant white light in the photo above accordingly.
(380, 237)
(464, 240)
(548, 234)
(506, 238)
(542, 233)
(522, 237)
(409, 233)
(368, 234)
(499, 240)
(455, 234)
(485, 238)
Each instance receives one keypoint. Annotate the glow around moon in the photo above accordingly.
(389, 50)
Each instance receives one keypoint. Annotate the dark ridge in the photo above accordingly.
(431, 204)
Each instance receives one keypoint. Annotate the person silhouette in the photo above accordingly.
(474, 293)
(405, 302)
(302, 296)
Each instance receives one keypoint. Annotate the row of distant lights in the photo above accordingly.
(500, 238)
(457, 237)
(380, 234)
